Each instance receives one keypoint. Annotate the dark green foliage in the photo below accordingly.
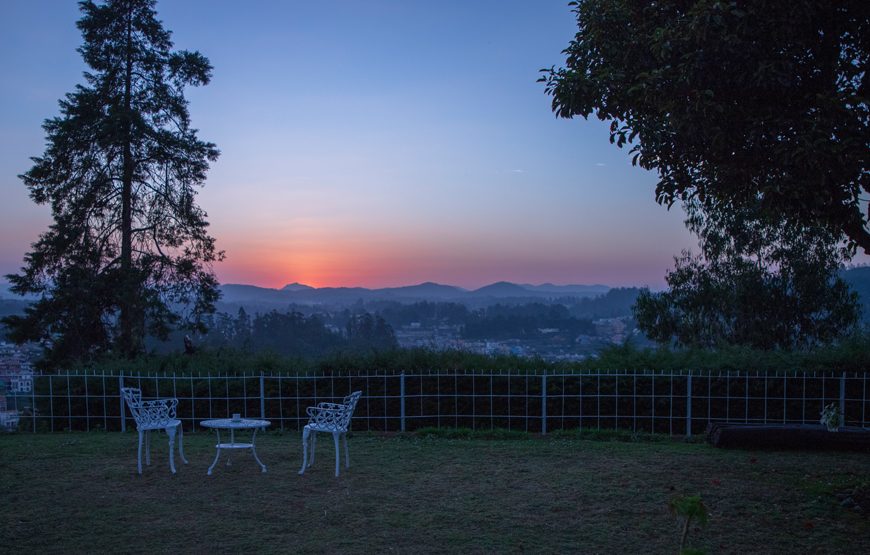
(851, 354)
(293, 334)
(859, 282)
(364, 331)
(735, 104)
(424, 360)
(848, 355)
(241, 330)
(755, 117)
(737, 303)
(10, 308)
(233, 361)
(513, 321)
(764, 285)
(614, 303)
(689, 508)
(128, 252)
(203, 362)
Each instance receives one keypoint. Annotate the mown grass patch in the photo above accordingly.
(430, 493)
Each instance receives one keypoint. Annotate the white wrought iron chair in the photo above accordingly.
(158, 414)
(328, 417)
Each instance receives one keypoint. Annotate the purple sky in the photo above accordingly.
(374, 143)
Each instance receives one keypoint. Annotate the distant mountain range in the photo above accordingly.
(429, 291)
(297, 293)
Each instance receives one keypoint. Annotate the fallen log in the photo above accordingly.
(788, 436)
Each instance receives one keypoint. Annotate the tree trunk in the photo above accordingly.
(126, 299)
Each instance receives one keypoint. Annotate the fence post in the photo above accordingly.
(262, 397)
(689, 405)
(33, 401)
(121, 402)
(402, 399)
(544, 403)
(843, 398)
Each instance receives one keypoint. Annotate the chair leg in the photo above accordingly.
(139, 454)
(148, 447)
(171, 433)
(346, 452)
(337, 458)
(313, 449)
(181, 443)
(305, 433)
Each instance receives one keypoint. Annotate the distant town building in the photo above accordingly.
(16, 379)
(612, 329)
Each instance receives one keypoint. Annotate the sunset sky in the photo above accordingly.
(375, 143)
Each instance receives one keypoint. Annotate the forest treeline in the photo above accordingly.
(615, 303)
(294, 334)
(314, 332)
(849, 355)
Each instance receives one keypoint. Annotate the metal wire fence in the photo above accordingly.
(674, 403)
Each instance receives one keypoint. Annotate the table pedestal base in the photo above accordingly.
(233, 445)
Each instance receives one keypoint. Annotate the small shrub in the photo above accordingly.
(689, 508)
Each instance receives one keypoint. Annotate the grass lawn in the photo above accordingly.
(79, 492)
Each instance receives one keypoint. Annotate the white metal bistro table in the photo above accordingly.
(232, 426)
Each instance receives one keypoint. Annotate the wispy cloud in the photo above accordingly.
(518, 171)
(600, 164)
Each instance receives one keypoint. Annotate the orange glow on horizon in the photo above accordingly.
(338, 265)
(381, 264)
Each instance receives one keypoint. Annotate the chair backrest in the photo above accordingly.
(349, 406)
(148, 413)
(334, 417)
(133, 397)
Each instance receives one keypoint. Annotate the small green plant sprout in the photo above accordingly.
(690, 508)
(832, 418)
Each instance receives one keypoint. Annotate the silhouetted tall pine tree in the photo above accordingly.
(128, 252)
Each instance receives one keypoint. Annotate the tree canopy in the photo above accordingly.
(735, 104)
(767, 287)
(128, 252)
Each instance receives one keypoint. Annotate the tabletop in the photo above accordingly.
(230, 424)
